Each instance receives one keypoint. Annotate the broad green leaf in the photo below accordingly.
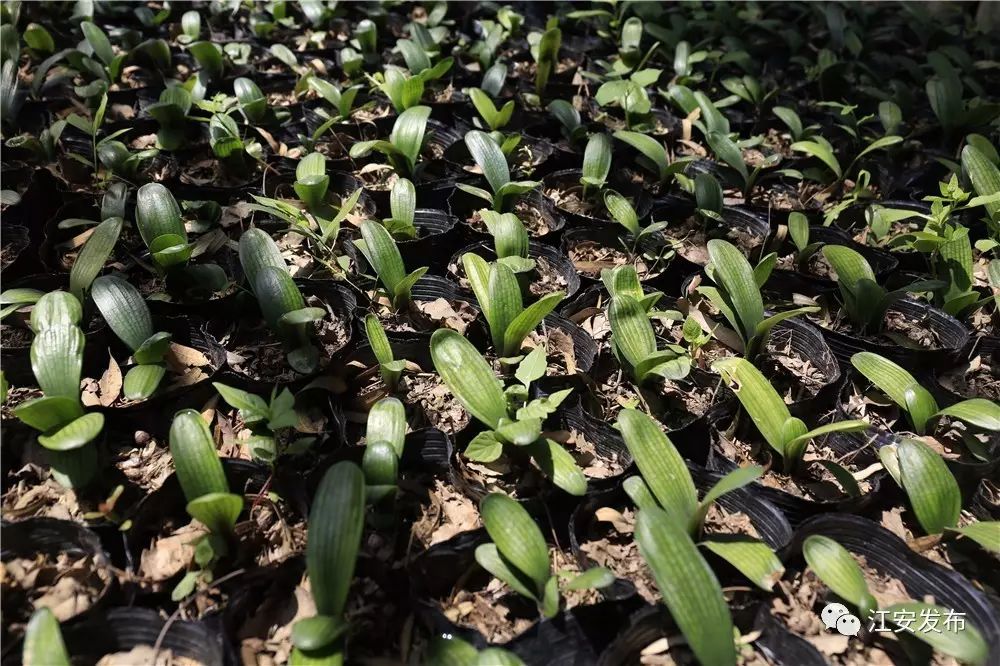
(649, 147)
(791, 119)
(520, 433)
(531, 367)
(510, 238)
(216, 511)
(752, 558)
(597, 160)
(75, 434)
(631, 331)
(662, 467)
(985, 176)
(142, 381)
(276, 294)
(528, 319)
(622, 211)
(932, 490)
(56, 308)
(964, 642)
(733, 273)
(593, 578)
(468, 376)
(980, 412)
(253, 408)
(43, 642)
(484, 447)
(899, 385)
(488, 556)
(689, 587)
(98, 42)
(317, 632)
(728, 152)
(258, 250)
(381, 252)
(734, 480)
(196, 460)
(557, 464)
(984, 532)
(835, 566)
(56, 360)
(408, 133)
(124, 310)
(517, 537)
(879, 144)
(336, 523)
(378, 340)
(765, 407)
(157, 213)
(403, 201)
(302, 316)
(387, 423)
(153, 349)
(48, 412)
(821, 151)
(489, 157)
(93, 256)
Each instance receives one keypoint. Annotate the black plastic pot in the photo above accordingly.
(890, 556)
(436, 237)
(952, 334)
(739, 226)
(608, 444)
(544, 222)
(427, 288)
(27, 539)
(798, 509)
(617, 237)
(556, 260)
(570, 179)
(853, 220)
(529, 158)
(340, 183)
(806, 342)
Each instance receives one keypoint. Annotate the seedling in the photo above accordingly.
(384, 438)
(404, 144)
(94, 254)
(499, 295)
(821, 149)
(199, 471)
(383, 256)
(158, 219)
(449, 649)
(630, 95)
(56, 361)
(569, 120)
(389, 367)
(510, 240)
(836, 567)
(736, 294)
(634, 343)
(653, 157)
(545, 50)
(784, 433)
(312, 181)
(171, 113)
(43, 642)
(337, 521)
(281, 303)
(798, 231)
(264, 418)
(514, 424)
(495, 120)
(519, 556)
(402, 209)
(491, 161)
(596, 162)
(665, 483)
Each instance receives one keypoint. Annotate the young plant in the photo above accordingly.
(384, 438)
(404, 144)
(836, 567)
(337, 521)
(596, 162)
(510, 240)
(918, 403)
(784, 433)
(569, 120)
(519, 556)
(623, 213)
(653, 157)
(341, 101)
(821, 149)
(56, 361)
(127, 314)
(229, 147)
(624, 281)
(402, 209)
(312, 181)
(864, 300)
(281, 303)
(171, 113)
(634, 343)
(93, 255)
(209, 501)
(499, 296)
(730, 153)
(253, 103)
(121, 161)
(383, 256)
(450, 650)
(158, 218)
(791, 119)
(798, 231)
(389, 367)
(630, 95)
(490, 159)
(545, 50)
(665, 483)
(514, 424)
(495, 120)
(404, 91)
(736, 294)
(264, 418)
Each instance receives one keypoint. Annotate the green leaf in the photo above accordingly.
(75, 434)
(489, 158)
(124, 309)
(510, 238)
(153, 349)
(835, 566)
(728, 152)
(547, 55)
(253, 408)
(56, 360)
(408, 133)
(488, 556)
(531, 367)
(557, 464)
(528, 319)
(38, 38)
(765, 407)
(862, 295)
(985, 176)
(98, 41)
(517, 537)
(980, 412)
(276, 294)
(403, 201)
(317, 632)
(381, 252)
(622, 211)
(209, 57)
(932, 490)
(631, 331)
(43, 642)
(649, 147)
(734, 480)
(311, 180)
(733, 273)
(662, 467)
(301, 316)
(484, 447)
(468, 376)
(689, 587)
(821, 151)
(387, 423)
(196, 460)
(402, 295)
(964, 642)
(157, 214)
(216, 511)
(597, 160)
(258, 250)
(142, 381)
(879, 144)
(762, 271)
(899, 385)
(378, 340)
(752, 558)
(336, 523)
(48, 412)
(984, 532)
(519, 433)
(591, 579)
(94, 255)
(56, 308)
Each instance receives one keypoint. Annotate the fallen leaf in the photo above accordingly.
(110, 384)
